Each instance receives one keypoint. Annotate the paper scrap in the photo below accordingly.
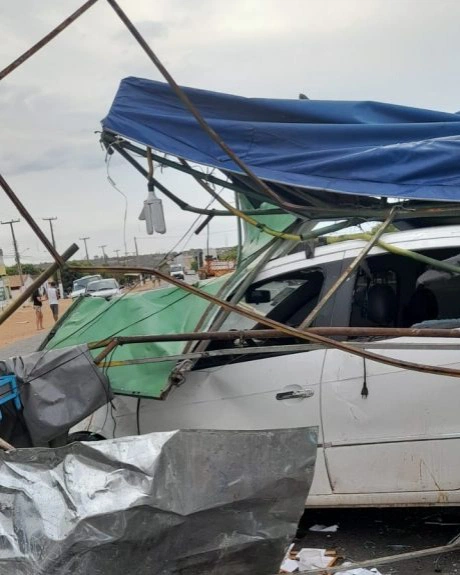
(360, 571)
(324, 528)
(311, 558)
(289, 566)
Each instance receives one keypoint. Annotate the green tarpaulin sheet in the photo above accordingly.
(167, 310)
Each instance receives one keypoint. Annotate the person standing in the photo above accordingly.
(37, 303)
(53, 300)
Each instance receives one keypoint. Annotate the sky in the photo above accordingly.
(399, 51)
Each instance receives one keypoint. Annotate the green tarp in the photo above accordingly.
(168, 310)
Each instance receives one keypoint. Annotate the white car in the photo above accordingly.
(388, 436)
(177, 271)
(103, 288)
(79, 285)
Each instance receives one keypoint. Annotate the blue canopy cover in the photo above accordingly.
(364, 148)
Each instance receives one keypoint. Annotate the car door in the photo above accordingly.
(278, 386)
(387, 429)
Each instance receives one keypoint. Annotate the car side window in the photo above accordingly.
(287, 299)
(375, 298)
(395, 291)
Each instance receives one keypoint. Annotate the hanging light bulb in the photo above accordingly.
(153, 213)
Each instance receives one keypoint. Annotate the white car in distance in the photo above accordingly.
(103, 288)
(79, 285)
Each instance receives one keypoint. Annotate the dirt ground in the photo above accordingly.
(22, 323)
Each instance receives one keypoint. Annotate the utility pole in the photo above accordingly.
(103, 252)
(86, 246)
(118, 255)
(137, 251)
(53, 241)
(16, 251)
(137, 258)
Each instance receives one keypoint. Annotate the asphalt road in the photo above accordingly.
(362, 533)
(23, 346)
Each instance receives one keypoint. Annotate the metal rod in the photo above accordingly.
(347, 273)
(178, 201)
(263, 334)
(261, 185)
(25, 295)
(265, 350)
(112, 344)
(377, 561)
(304, 335)
(30, 220)
(41, 43)
(205, 222)
(420, 209)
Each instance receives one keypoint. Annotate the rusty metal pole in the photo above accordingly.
(30, 220)
(261, 185)
(26, 294)
(36, 47)
(347, 273)
(294, 332)
(267, 334)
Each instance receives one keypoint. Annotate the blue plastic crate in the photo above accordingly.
(12, 394)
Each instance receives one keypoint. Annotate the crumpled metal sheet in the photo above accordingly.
(58, 389)
(188, 502)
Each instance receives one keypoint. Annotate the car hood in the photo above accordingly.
(104, 293)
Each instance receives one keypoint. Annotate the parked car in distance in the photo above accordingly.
(177, 271)
(79, 285)
(103, 288)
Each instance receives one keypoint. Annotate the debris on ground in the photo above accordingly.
(324, 528)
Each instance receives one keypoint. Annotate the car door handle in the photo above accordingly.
(298, 394)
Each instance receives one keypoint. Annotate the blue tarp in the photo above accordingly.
(364, 148)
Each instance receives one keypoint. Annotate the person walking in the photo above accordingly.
(53, 300)
(37, 303)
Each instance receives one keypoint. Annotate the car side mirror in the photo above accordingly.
(258, 296)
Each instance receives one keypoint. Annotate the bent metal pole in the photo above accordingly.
(25, 295)
(44, 41)
(213, 135)
(30, 220)
(347, 273)
(294, 332)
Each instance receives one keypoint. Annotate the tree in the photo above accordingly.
(27, 269)
(231, 254)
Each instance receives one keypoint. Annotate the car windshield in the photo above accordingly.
(102, 285)
(175, 268)
(81, 283)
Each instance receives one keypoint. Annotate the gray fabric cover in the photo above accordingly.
(188, 502)
(58, 389)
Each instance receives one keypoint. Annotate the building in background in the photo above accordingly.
(13, 284)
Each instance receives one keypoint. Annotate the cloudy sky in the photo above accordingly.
(400, 51)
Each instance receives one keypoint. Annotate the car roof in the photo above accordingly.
(101, 280)
(416, 239)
